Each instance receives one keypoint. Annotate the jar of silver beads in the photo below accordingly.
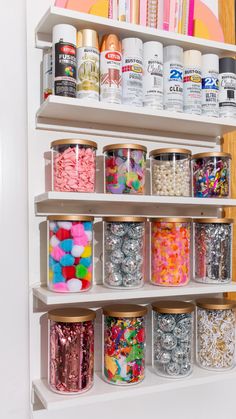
(171, 172)
(172, 338)
(213, 250)
(215, 333)
(124, 252)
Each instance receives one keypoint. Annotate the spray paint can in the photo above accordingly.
(87, 65)
(153, 74)
(110, 69)
(173, 78)
(47, 73)
(227, 87)
(192, 82)
(210, 85)
(132, 71)
(64, 60)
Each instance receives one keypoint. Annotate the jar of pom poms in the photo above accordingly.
(124, 252)
(73, 165)
(70, 253)
(211, 175)
(71, 350)
(124, 339)
(125, 168)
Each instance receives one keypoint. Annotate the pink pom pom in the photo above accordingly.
(57, 253)
(81, 241)
(60, 287)
(77, 230)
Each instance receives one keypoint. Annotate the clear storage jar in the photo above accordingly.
(171, 172)
(213, 250)
(211, 175)
(125, 168)
(172, 338)
(170, 251)
(124, 252)
(124, 343)
(71, 350)
(215, 333)
(70, 253)
(73, 165)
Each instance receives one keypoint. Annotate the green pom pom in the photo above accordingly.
(110, 179)
(121, 180)
(81, 271)
(136, 184)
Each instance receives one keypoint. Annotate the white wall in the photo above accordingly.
(14, 371)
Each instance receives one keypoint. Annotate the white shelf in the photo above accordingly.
(56, 15)
(108, 204)
(101, 294)
(104, 392)
(63, 113)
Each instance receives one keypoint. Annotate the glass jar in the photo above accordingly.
(71, 350)
(73, 165)
(172, 338)
(70, 253)
(211, 175)
(213, 250)
(170, 251)
(124, 252)
(124, 344)
(215, 333)
(125, 169)
(171, 172)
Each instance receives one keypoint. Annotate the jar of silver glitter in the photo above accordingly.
(213, 250)
(124, 252)
(171, 172)
(172, 338)
(215, 333)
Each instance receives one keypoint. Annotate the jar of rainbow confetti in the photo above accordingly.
(71, 350)
(170, 251)
(125, 168)
(211, 175)
(215, 333)
(124, 344)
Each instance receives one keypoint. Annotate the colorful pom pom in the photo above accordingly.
(81, 271)
(63, 234)
(74, 285)
(66, 245)
(67, 260)
(87, 252)
(77, 230)
(86, 262)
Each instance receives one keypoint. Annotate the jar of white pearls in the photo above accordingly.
(171, 172)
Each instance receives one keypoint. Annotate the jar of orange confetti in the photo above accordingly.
(170, 251)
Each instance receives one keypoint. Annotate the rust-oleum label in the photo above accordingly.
(65, 70)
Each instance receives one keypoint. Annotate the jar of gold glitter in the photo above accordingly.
(215, 333)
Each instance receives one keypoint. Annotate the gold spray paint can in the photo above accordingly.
(111, 69)
(87, 65)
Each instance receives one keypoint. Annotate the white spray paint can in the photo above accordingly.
(153, 74)
(227, 87)
(132, 71)
(173, 78)
(47, 73)
(192, 82)
(210, 85)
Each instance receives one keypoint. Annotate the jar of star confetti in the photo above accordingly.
(215, 333)
(71, 350)
(124, 252)
(172, 338)
(124, 344)
(211, 175)
(213, 250)
(170, 251)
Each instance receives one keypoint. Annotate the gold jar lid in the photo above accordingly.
(160, 151)
(87, 38)
(74, 141)
(216, 303)
(69, 218)
(124, 310)
(125, 219)
(213, 220)
(71, 315)
(111, 147)
(211, 154)
(171, 220)
(173, 307)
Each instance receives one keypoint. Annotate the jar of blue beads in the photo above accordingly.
(70, 253)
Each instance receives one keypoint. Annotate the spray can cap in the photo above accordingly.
(87, 38)
(111, 42)
(210, 62)
(130, 46)
(192, 58)
(64, 33)
(227, 65)
(173, 52)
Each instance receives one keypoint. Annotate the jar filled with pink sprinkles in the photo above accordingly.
(73, 165)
